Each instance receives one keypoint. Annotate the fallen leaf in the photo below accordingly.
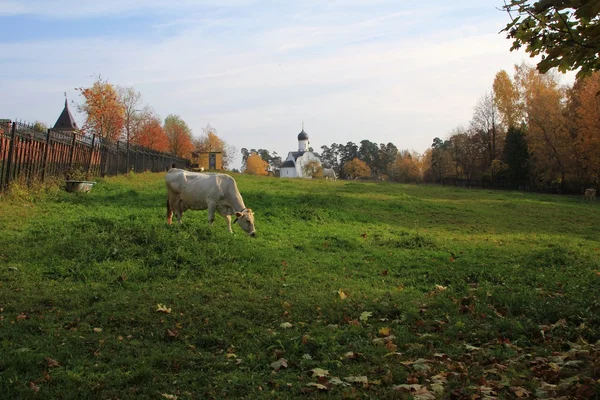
(34, 387)
(317, 385)
(519, 391)
(171, 333)
(364, 316)
(169, 396)
(277, 365)
(391, 346)
(162, 308)
(97, 330)
(338, 382)
(285, 325)
(342, 294)
(357, 379)
(319, 372)
(385, 331)
(51, 363)
(22, 316)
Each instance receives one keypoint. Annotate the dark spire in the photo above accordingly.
(65, 122)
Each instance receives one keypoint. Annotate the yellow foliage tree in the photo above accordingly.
(255, 165)
(313, 169)
(210, 141)
(356, 168)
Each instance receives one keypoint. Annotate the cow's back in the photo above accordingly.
(197, 189)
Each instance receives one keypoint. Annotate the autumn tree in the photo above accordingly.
(210, 141)
(150, 133)
(507, 98)
(565, 33)
(586, 99)
(312, 169)
(104, 113)
(548, 138)
(485, 124)
(255, 165)
(179, 135)
(405, 169)
(130, 100)
(356, 168)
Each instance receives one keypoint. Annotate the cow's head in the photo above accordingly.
(245, 220)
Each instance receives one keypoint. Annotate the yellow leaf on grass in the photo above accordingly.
(385, 331)
(364, 316)
(357, 379)
(163, 308)
(342, 294)
(317, 385)
(319, 372)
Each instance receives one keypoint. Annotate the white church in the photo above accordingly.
(293, 166)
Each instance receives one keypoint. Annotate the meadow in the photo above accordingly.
(349, 290)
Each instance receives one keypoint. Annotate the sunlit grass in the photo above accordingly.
(82, 275)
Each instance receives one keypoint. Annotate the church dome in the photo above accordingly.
(302, 135)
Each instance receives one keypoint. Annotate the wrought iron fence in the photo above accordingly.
(29, 154)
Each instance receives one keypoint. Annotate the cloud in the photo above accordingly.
(350, 70)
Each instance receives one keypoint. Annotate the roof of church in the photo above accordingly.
(303, 135)
(288, 164)
(65, 121)
(297, 154)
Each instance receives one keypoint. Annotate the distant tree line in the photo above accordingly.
(528, 132)
(117, 113)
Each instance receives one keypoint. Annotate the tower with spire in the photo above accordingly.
(293, 167)
(65, 122)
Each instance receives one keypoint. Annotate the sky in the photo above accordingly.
(398, 71)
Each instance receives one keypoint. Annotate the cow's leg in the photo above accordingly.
(169, 212)
(179, 211)
(223, 211)
(172, 207)
(212, 207)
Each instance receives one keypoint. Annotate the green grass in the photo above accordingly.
(514, 275)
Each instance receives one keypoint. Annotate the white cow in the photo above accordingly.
(202, 191)
(329, 173)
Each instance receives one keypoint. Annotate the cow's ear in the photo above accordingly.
(238, 214)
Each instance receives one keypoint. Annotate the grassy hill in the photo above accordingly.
(350, 289)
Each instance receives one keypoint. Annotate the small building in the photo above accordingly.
(293, 166)
(207, 161)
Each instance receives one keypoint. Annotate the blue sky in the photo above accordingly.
(387, 71)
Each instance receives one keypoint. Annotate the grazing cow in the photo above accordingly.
(207, 191)
(590, 194)
(329, 173)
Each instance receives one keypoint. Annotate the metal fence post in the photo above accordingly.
(45, 162)
(11, 150)
(117, 170)
(72, 151)
(89, 164)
